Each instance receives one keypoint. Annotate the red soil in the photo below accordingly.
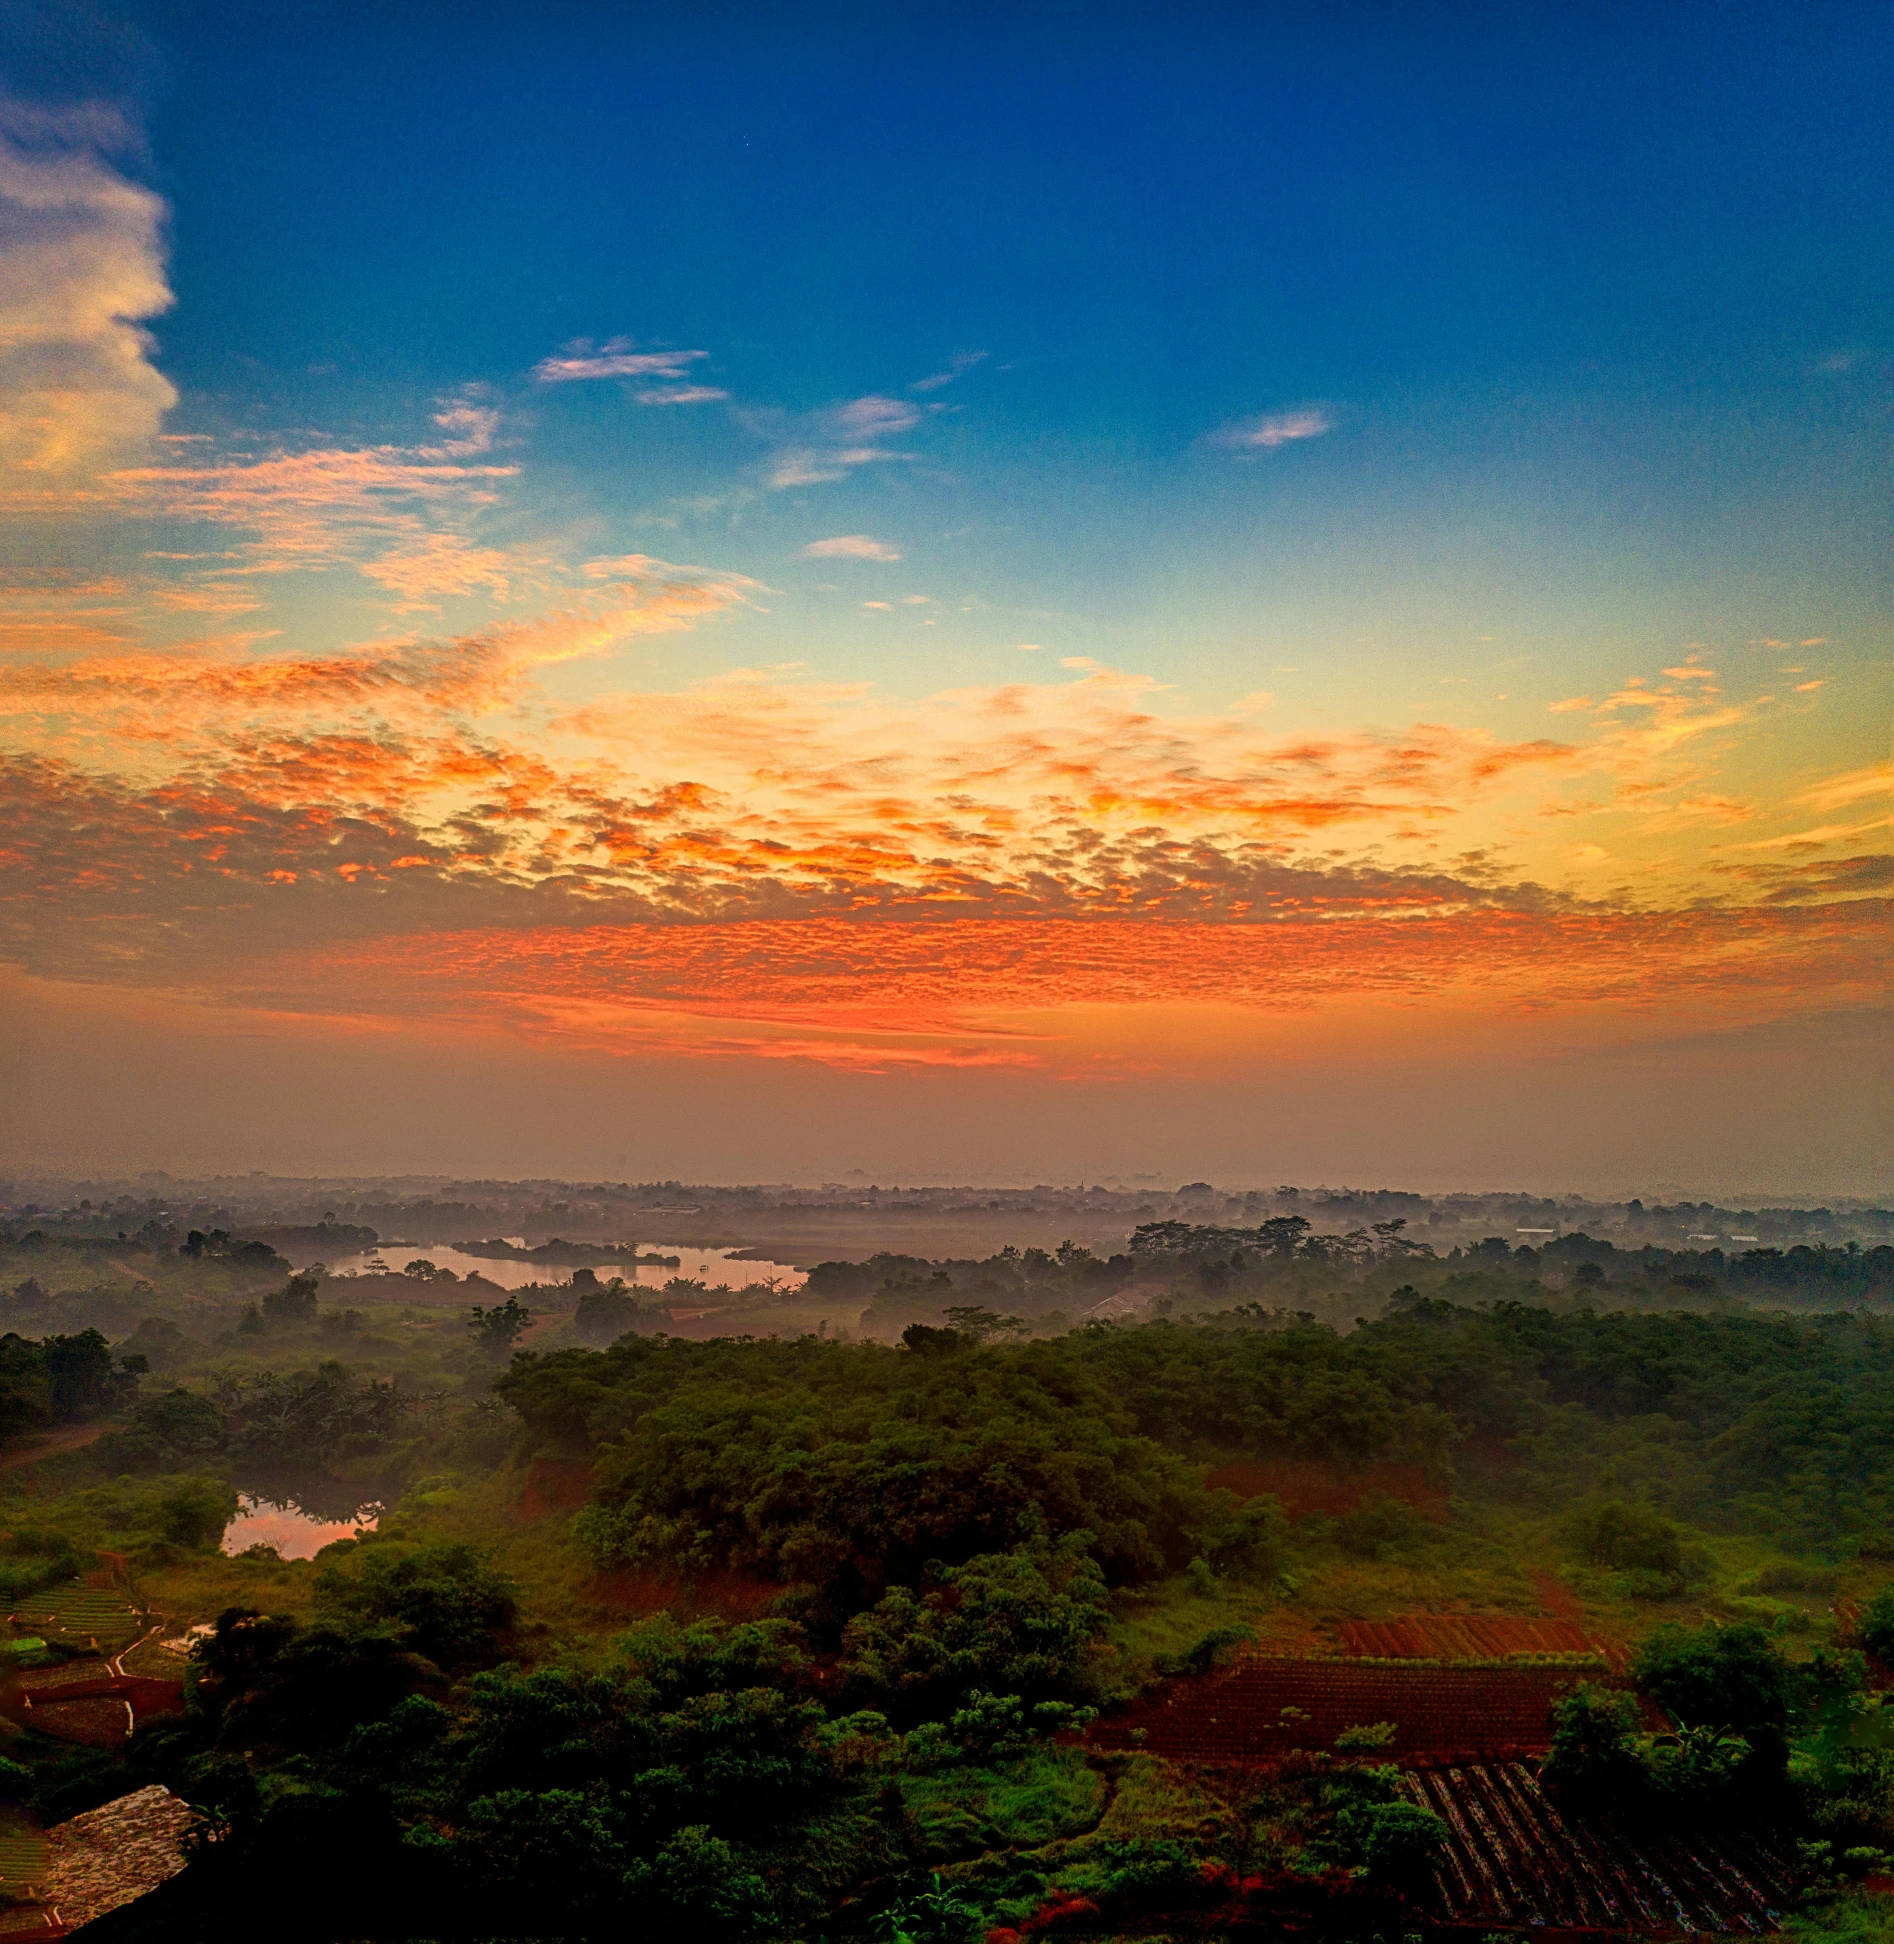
(555, 1485)
(1310, 1488)
(148, 1695)
(637, 1592)
(1460, 1636)
(99, 1721)
(68, 1437)
(1556, 1597)
(1440, 1714)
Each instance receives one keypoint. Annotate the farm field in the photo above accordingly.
(1512, 1858)
(1461, 1636)
(1263, 1706)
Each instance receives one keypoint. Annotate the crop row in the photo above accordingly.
(1512, 1858)
(1461, 1636)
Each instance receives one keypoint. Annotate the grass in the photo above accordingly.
(1862, 1917)
(1044, 1796)
(1154, 1799)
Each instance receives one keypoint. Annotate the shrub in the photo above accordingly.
(443, 1601)
(1397, 1842)
(1627, 1536)
(1877, 1625)
(1592, 1752)
(1017, 1622)
(1381, 1528)
(195, 1513)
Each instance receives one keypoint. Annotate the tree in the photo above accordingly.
(982, 1324)
(81, 1380)
(1639, 1537)
(1733, 1680)
(195, 1513)
(295, 1302)
(1592, 1757)
(446, 1602)
(179, 1422)
(498, 1329)
(1877, 1625)
(1016, 1623)
(1398, 1843)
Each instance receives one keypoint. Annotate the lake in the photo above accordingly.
(710, 1266)
(295, 1532)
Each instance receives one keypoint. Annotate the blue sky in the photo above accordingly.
(1595, 301)
(1049, 460)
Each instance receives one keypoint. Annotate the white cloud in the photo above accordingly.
(469, 424)
(682, 395)
(833, 443)
(81, 264)
(959, 362)
(850, 546)
(613, 359)
(1274, 429)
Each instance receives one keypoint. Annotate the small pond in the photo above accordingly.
(294, 1528)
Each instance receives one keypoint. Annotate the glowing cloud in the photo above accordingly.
(81, 265)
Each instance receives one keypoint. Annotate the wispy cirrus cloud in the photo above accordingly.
(850, 546)
(81, 269)
(1272, 429)
(957, 366)
(680, 395)
(580, 360)
(154, 715)
(829, 445)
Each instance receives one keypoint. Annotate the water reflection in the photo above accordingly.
(708, 1266)
(292, 1526)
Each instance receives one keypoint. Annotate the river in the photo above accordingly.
(708, 1266)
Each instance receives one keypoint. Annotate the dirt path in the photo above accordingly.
(68, 1437)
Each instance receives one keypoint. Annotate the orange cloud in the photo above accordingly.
(1018, 993)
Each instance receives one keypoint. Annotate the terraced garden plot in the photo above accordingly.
(146, 1696)
(1512, 1858)
(27, 1922)
(22, 1854)
(78, 1614)
(1462, 1636)
(1255, 1712)
(99, 1721)
(48, 1681)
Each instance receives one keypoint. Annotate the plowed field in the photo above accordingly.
(103, 1721)
(1460, 1636)
(1256, 1711)
(1512, 1858)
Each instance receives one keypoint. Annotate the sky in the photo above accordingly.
(1048, 592)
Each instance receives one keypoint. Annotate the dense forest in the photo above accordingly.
(857, 1631)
